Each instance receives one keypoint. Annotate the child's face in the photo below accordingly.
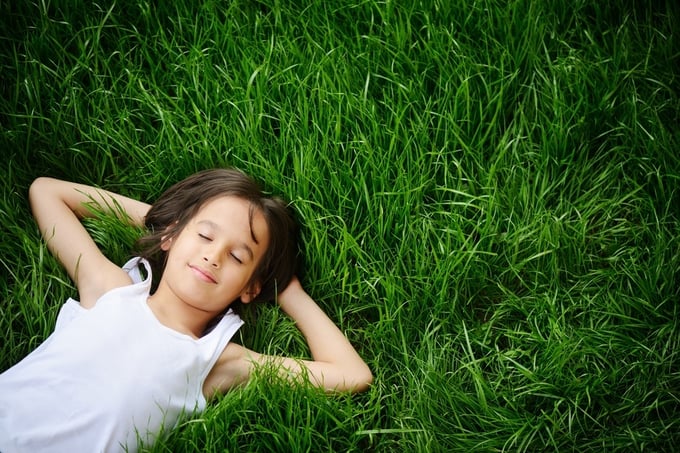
(211, 261)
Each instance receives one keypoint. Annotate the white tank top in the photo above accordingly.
(108, 376)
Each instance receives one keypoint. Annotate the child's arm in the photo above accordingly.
(58, 207)
(336, 366)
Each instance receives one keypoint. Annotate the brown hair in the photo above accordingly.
(168, 216)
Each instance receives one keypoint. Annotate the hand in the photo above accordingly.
(294, 291)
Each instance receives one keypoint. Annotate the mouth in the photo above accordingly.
(202, 275)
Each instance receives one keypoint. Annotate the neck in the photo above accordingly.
(179, 317)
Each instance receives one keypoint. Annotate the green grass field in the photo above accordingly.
(489, 193)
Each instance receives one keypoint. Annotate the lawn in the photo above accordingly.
(489, 195)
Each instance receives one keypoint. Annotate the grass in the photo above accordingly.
(488, 193)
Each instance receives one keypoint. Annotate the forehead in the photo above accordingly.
(234, 214)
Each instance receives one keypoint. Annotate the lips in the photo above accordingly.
(203, 275)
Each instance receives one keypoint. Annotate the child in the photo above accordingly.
(134, 354)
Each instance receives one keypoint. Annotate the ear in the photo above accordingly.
(166, 242)
(251, 293)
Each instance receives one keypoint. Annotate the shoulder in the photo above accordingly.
(109, 276)
(233, 368)
(99, 283)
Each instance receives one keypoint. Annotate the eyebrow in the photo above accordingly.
(242, 244)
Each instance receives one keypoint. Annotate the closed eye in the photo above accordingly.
(236, 258)
(203, 236)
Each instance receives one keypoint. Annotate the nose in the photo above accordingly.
(211, 259)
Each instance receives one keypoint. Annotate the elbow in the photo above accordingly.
(40, 184)
(38, 189)
(364, 379)
(367, 380)
(356, 379)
